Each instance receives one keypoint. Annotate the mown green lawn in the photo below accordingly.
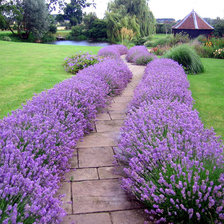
(27, 68)
(208, 92)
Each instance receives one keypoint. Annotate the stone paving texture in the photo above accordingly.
(93, 192)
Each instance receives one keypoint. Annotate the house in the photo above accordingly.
(165, 20)
(193, 25)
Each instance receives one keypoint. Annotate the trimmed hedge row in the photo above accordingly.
(173, 164)
(139, 55)
(36, 142)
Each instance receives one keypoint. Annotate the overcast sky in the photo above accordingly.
(176, 9)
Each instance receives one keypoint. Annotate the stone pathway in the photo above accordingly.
(93, 192)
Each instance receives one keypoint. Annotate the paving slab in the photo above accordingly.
(96, 157)
(99, 218)
(129, 217)
(108, 173)
(112, 125)
(74, 160)
(117, 115)
(122, 99)
(65, 190)
(103, 116)
(82, 174)
(100, 196)
(128, 92)
(118, 107)
(99, 139)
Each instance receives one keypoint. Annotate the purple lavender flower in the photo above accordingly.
(37, 141)
(139, 55)
(166, 150)
(113, 51)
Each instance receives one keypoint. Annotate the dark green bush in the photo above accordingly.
(187, 57)
(98, 30)
(78, 33)
(48, 37)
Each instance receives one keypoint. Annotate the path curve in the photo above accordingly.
(93, 192)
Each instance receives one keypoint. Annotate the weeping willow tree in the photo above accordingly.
(131, 14)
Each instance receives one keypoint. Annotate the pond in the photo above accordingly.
(80, 43)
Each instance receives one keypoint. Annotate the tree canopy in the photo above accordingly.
(25, 16)
(134, 15)
(73, 11)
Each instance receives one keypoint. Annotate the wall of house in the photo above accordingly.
(192, 33)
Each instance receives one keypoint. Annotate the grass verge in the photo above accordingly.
(208, 93)
(28, 68)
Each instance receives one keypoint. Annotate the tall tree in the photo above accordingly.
(74, 11)
(36, 18)
(26, 16)
(129, 8)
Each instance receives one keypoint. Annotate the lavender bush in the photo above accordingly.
(139, 55)
(163, 79)
(113, 51)
(173, 164)
(80, 61)
(36, 142)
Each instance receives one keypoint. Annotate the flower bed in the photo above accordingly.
(173, 164)
(36, 142)
(139, 55)
(113, 51)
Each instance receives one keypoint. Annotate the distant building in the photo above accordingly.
(193, 25)
(165, 20)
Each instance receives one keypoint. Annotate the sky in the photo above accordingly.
(176, 9)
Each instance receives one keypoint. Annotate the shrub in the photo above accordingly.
(77, 33)
(49, 37)
(163, 85)
(143, 59)
(109, 52)
(79, 61)
(142, 40)
(37, 141)
(98, 30)
(186, 57)
(113, 51)
(179, 38)
(139, 55)
(114, 72)
(172, 163)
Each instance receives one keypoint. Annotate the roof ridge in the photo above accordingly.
(204, 21)
(195, 20)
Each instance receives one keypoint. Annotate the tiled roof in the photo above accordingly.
(193, 22)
